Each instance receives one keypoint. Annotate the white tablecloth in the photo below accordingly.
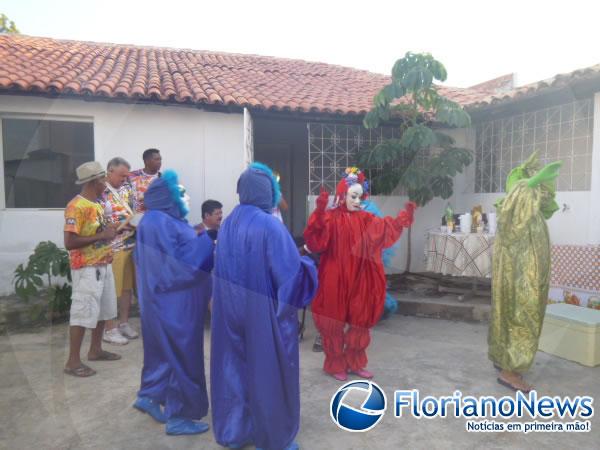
(460, 254)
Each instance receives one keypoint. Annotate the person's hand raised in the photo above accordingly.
(406, 216)
(322, 200)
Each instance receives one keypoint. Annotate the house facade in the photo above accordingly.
(66, 102)
(560, 119)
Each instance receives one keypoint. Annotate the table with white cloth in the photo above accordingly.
(466, 256)
(460, 255)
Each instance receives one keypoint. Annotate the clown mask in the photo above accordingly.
(353, 196)
(185, 198)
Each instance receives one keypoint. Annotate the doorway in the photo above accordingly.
(283, 146)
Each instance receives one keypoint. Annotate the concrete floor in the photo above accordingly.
(42, 409)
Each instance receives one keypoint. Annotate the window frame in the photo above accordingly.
(494, 161)
(40, 117)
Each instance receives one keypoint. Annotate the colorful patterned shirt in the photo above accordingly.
(117, 209)
(140, 181)
(86, 218)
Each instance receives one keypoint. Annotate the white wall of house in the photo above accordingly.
(205, 148)
(593, 220)
(578, 220)
(578, 224)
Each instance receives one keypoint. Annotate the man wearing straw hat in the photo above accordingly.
(87, 238)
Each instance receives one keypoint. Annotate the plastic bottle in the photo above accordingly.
(449, 218)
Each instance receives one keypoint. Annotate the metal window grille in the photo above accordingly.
(333, 147)
(562, 132)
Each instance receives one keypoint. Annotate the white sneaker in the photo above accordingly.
(114, 337)
(127, 330)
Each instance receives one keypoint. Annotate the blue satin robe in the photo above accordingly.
(260, 282)
(173, 267)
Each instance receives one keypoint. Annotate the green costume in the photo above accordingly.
(521, 267)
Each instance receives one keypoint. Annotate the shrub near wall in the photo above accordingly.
(43, 276)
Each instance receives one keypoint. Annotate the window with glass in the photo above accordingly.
(40, 158)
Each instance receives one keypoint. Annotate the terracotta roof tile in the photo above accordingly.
(137, 91)
(202, 77)
(529, 90)
(174, 75)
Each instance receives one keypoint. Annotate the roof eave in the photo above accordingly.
(574, 89)
(219, 108)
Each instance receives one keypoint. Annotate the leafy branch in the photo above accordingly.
(50, 262)
(424, 161)
(7, 25)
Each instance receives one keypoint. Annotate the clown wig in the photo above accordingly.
(274, 182)
(352, 175)
(172, 182)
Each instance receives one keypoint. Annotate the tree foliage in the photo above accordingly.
(423, 161)
(413, 97)
(7, 25)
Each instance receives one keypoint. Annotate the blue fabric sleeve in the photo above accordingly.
(294, 276)
(174, 259)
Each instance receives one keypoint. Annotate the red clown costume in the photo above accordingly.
(351, 294)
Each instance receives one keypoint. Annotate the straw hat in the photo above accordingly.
(89, 171)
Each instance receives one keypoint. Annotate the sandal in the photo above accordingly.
(81, 371)
(105, 356)
(513, 387)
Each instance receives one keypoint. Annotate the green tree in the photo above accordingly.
(7, 25)
(424, 160)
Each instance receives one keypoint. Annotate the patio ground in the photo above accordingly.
(41, 408)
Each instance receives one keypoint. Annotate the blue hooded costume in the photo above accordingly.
(173, 279)
(260, 282)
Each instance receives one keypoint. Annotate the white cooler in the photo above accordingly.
(572, 332)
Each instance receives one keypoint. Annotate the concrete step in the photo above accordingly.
(450, 307)
(442, 297)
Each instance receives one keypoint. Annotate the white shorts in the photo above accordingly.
(94, 298)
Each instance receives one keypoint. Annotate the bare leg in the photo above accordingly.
(124, 303)
(76, 334)
(124, 306)
(111, 324)
(96, 344)
(96, 353)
